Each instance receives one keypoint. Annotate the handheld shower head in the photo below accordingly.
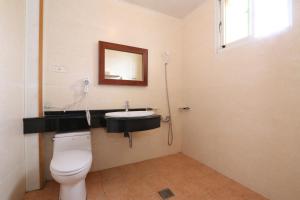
(166, 57)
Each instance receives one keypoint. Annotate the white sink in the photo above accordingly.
(130, 114)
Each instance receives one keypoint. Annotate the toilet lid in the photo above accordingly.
(70, 161)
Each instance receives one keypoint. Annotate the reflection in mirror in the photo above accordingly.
(123, 65)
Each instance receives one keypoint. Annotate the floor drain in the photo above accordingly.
(166, 193)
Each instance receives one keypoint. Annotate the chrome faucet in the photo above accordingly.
(126, 106)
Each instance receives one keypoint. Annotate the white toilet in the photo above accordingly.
(71, 162)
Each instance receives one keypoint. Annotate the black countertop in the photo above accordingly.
(69, 121)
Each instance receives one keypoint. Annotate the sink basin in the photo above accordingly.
(130, 114)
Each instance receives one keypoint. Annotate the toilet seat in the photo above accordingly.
(69, 163)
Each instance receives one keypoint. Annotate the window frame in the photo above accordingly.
(221, 25)
(220, 31)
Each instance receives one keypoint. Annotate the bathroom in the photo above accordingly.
(211, 112)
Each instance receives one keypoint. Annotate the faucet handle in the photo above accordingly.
(126, 106)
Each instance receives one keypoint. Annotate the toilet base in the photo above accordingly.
(75, 191)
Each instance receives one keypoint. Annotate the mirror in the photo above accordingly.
(122, 65)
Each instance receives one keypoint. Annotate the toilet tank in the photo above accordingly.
(72, 141)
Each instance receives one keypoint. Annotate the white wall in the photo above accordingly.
(12, 48)
(72, 31)
(245, 101)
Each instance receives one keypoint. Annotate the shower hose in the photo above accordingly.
(170, 126)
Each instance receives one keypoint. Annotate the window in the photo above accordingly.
(271, 16)
(236, 20)
(240, 19)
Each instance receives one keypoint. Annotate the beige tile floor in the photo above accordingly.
(187, 178)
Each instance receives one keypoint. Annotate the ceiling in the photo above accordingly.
(175, 8)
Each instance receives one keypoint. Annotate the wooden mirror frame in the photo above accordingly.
(122, 48)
